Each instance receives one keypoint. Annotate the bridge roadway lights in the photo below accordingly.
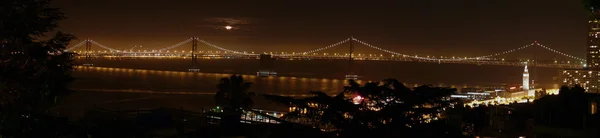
(88, 64)
(194, 70)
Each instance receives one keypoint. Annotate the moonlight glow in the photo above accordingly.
(228, 27)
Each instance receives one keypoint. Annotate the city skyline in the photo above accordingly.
(323, 69)
(462, 25)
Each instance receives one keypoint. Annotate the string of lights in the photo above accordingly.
(77, 45)
(105, 47)
(505, 52)
(224, 49)
(177, 45)
(392, 52)
(560, 53)
(443, 59)
(485, 57)
(315, 50)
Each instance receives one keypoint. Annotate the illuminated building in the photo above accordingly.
(525, 79)
(588, 77)
(593, 51)
(472, 96)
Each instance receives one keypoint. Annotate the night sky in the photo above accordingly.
(434, 27)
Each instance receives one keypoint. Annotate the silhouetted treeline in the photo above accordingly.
(376, 109)
(34, 72)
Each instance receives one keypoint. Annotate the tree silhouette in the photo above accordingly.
(33, 71)
(386, 108)
(234, 97)
(321, 110)
(569, 109)
(591, 5)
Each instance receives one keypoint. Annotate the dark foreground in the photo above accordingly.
(161, 122)
(171, 123)
(75, 105)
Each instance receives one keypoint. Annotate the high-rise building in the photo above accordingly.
(593, 51)
(589, 76)
(525, 79)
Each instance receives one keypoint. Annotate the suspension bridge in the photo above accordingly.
(221, 52)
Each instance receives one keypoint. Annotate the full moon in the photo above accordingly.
(228, 27)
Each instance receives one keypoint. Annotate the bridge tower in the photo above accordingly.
(194, 57)
(351, 52)
(351, 74)
(88, 50)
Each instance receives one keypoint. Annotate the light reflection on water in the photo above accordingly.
(127, 80)
(458, 75)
